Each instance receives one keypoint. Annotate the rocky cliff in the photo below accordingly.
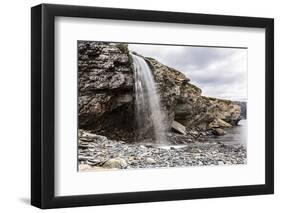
(105, 87)
(243, 106)
(106, 94)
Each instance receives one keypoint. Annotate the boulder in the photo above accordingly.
(150, 161)
(84, 167)
(117, 163)
(218, 131)
(178, 127)
(219, 123)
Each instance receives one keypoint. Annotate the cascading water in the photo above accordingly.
(147, 102)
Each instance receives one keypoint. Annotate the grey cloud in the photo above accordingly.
(200, 57)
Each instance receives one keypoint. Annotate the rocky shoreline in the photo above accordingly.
(96, 152)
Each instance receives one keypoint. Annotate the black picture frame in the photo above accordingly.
(43, 102)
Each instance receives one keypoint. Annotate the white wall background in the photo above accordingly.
(15, 105)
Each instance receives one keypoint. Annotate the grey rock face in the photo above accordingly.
(106, 97)
(243, 106)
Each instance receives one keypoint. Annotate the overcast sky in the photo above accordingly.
(219, 72)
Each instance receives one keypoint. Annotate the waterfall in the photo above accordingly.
(147, 102)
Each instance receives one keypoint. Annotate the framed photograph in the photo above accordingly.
(139, 106)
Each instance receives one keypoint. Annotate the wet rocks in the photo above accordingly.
(218, 131)
(101, 153)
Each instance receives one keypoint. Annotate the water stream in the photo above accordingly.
(235, 135)
(147, 103)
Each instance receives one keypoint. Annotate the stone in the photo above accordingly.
(117, 163)
(88, 134)
(220, 163)
(178, 127)
(143, 147)
(150, 161)
(84, 167)
(219, 123)
(84, 158)
(218, 132)
(194, 132)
